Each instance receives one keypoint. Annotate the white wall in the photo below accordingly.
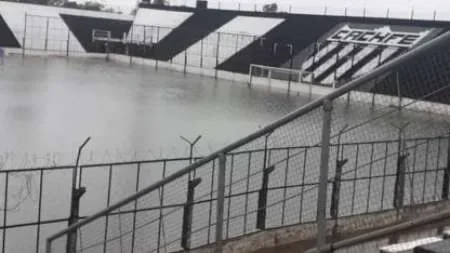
(234, 36)
(322, 52)
(36, 20)
(374, 62)
(151, 26)
(356, 59)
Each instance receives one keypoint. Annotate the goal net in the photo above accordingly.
(101, 35)
(272, 75)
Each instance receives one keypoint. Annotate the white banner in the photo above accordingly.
(382, 36)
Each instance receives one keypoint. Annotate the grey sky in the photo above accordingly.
(400, 7)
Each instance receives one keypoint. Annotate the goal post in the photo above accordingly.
(261, 74)
(101, 35)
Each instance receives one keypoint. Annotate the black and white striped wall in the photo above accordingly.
(245, 37)
(223, 40)
(43, 28)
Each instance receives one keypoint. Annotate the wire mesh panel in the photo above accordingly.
(36, 32)
(58, 38)
(374, 145)
(48, 33)
(213, 49)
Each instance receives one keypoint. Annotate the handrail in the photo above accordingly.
(408, 56)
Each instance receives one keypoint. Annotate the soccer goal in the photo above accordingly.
(265, 74)
(105, 35)
(101, 35)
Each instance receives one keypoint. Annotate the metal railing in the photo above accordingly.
(106, 183)
(47, 34)
(207, 53)
(50, 34)
(349, 114)
(36, 201)
(406, 12)
(366, 171)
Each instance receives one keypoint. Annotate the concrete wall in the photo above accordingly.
(222, 43)
(234, 36)
(32, 24)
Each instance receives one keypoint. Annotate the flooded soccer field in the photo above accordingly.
(48, 106)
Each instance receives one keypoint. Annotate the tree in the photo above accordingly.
(92, 5)
(133, 11)
(43, 2)
(57, 2)
(159, 2)
(155, 2)
(71, 4)
(270, 7)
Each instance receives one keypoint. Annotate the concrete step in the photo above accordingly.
(408, 247)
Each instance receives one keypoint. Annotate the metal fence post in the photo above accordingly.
(335, 194)
(187, 214)
(185, 62)
(24, 35)
(133, 233)
(76, 194)
(291, 65)
(262, 199)
(217, 54)
(201, 53)
(68, 43)
(38, 228)
(144, 41)
(156, 47)
(161, 214)
(446, 180)
(130, 46)
(399, 187)
(108, 202)
(336, 191)
(323, 181)
(220, 202)
(5, 212)
(46, 34)
(48, 246)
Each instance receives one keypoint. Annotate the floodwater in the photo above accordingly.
(48, 106)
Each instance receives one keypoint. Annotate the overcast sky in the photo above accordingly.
(400, 7)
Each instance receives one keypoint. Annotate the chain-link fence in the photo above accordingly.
(49, 34)
(205, 53)
(36, 201)
(226, 195)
